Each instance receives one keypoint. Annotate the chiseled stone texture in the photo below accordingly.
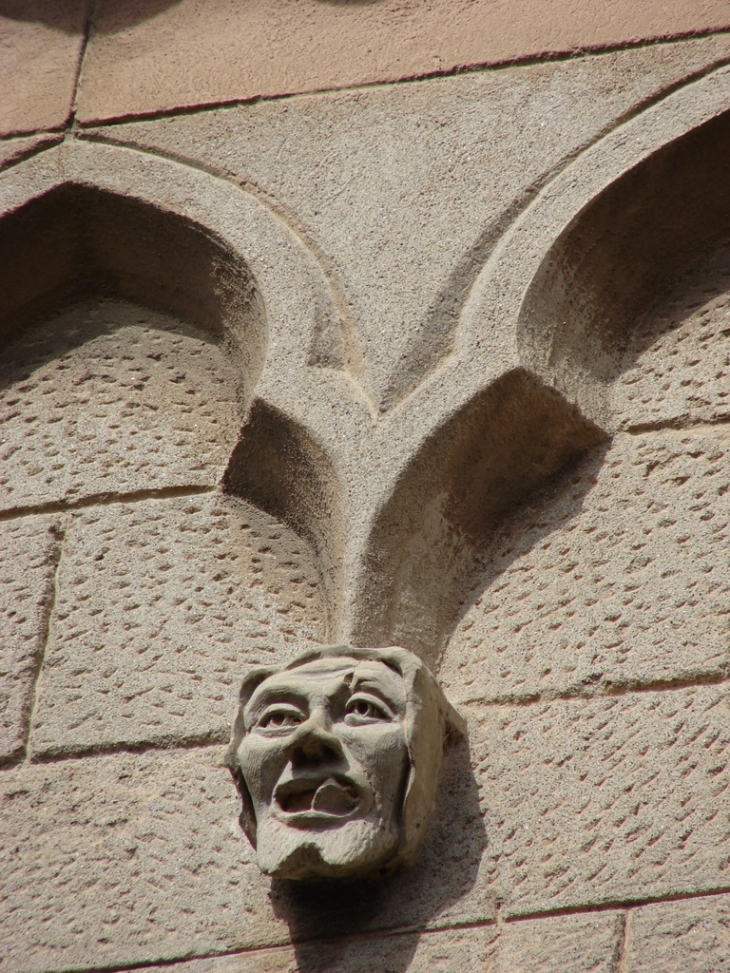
(113, 398)
(29, 550)
(677, 361)
(617, 578)
(128, 858)
(15, 150)
(125, 858)
(41, 42)
(690, 936)
(161, 606)
(561, 944)
(583, 802)
(406, 188)
(216, 51)
(612, 799)
(465, 950)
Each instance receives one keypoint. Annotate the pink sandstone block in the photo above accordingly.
(198, 52)
(40, 46)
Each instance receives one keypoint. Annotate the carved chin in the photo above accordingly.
(356, 847)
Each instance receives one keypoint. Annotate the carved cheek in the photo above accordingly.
(262, 761)
(382, 754)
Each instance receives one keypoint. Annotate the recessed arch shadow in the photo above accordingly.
(278, 467)
(76, 242)
(428, 538)
(623, 251)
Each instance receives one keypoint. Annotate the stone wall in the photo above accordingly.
(383, 322)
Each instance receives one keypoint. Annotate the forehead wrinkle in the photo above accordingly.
(283, 685)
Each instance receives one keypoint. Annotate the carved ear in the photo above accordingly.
(248, 686)
(431, 724)
(247, 818)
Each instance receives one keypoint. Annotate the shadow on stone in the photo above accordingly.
(279, 468)
(439, 882)
(68, 15)
(622, 253)
(429, 538)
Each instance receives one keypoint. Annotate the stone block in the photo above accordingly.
(111, 398)
(561, 944)
(118, 859)
(218, 52)
(161, 608)
(29, 551)
(617, 578)
(41, 43)
(466, 950)
(15, 150)
(613, 799)
(691, 936)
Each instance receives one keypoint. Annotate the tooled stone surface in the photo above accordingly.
(561, 944)
(680, 937)
(676, 365)
(466, 950)
(336, 758)
(28, 556)
(120, 858)
(159, 604)
(593, 801)
(583, 802)
(113, 398)
(619, 577)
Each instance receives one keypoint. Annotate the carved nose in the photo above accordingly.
(313, 743)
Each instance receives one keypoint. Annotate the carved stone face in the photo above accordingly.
(323, 754)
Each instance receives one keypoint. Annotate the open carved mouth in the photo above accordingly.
(329, 797)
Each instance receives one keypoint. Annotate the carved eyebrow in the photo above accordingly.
(372, 685)
(266, 696)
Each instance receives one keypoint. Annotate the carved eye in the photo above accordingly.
(279, 719)
(364, 709)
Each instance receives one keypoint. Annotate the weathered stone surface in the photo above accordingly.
(117, 859)
(561, 944)
(407, 253)
(467, 950)
(680, 937)
(124, 858)
(113, 398)
(585, 802)
(41, 42)
(594, 801)
(217, 51)
(353, 734)
(161, 608)
(677, 362)
(15, 150)
(28, 555)
(617, 578)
